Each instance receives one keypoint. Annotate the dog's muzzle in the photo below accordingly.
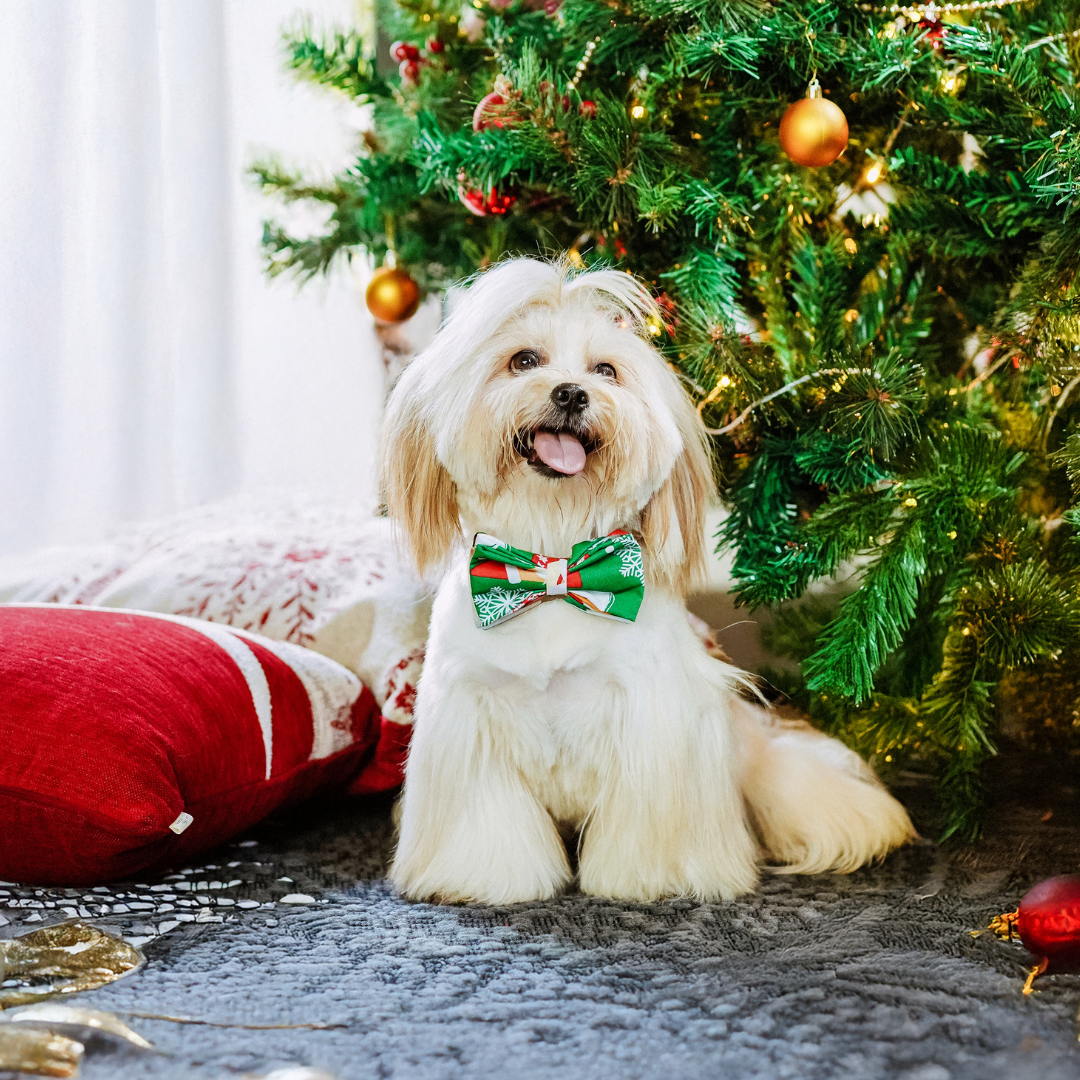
(558, 446)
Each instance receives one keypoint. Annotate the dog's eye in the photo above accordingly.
(604, 369)
(525, 360)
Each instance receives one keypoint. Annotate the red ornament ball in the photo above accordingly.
(392, 296)
(404, 50)
(587, 109)
(1048, 921)
(482, 204)
(814, 132)
(409, 70)
(434, 45)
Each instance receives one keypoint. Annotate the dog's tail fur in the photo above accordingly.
(816, 805)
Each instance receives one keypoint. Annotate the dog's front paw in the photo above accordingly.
(445, 880)
(497, 859)
(717, 876)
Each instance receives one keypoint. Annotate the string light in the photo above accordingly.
(931, 11)
(873, 174)
(583, 63)
(1051, 38)
(637, 111)
(727, 428)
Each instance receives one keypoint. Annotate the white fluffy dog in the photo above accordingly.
(541, 416)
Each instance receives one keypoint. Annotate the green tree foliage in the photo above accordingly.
(887, 348)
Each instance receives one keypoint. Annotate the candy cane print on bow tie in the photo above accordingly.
(602, 577)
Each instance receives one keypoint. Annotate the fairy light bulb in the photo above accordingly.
(873, 174)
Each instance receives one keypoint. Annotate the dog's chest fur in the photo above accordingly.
(557, 681)
(561, 703)
(561, 737)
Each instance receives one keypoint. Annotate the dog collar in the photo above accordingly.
(603, 577)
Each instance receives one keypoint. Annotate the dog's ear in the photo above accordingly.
(421, 498)
(673, 521)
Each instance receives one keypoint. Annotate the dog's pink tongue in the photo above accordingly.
(563, 453)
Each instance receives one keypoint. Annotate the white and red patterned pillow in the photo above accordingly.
(134, 740)
(313, 572)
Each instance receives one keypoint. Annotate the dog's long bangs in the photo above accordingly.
(618, 294)
(508, 288)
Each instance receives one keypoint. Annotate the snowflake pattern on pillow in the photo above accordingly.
(314, 572)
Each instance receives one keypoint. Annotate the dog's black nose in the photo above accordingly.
(570, 397)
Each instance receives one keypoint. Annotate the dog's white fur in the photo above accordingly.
(627, 733)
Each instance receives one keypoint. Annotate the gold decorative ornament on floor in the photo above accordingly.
(62, 959)
(48, 1039)
(37, 1052)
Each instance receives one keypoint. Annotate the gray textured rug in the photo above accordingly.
(867, 976)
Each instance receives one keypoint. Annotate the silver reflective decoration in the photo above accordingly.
(293, 1072)
(53, 1015)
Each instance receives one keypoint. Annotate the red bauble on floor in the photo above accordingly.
(1048, 921)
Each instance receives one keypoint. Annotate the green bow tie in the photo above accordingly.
(603, 577)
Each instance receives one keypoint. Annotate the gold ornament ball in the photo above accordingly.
(392, 296)
(814, 132)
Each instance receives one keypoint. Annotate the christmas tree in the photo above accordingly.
(861, 223)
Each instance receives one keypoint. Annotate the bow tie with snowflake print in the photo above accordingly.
(603, 577)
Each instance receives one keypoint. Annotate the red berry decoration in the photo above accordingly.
(668, 309)
(935, 32)
(587, 109)
(482, 204)
(1048, 923)
(493, 110)
(409, 70)
(434, 45)
(404, 50)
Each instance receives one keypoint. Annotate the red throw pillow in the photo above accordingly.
(132, 741)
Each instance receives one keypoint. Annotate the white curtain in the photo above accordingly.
(145, 362)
